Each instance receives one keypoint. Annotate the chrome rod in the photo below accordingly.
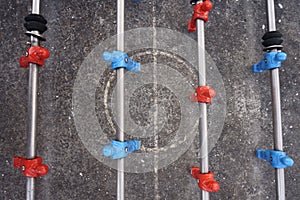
(276, 107)
(203, 106)
(120, 97)
(32, 109)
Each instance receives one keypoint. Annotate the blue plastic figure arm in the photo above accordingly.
(117, 150)
(119, 59)
(271, 60)
(277, 159)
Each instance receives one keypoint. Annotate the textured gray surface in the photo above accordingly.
(75, 28)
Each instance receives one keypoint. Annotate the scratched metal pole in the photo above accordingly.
(276, 107)
(120, 97)
(203, 106)
(32, 108)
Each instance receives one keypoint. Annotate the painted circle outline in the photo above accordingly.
(175, 42)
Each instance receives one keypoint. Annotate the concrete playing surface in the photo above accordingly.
(77, 170)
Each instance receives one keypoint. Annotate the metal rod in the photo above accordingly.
(271, 15)
(203, 106)
(120, 97)
(32, 109)
(276, 108)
